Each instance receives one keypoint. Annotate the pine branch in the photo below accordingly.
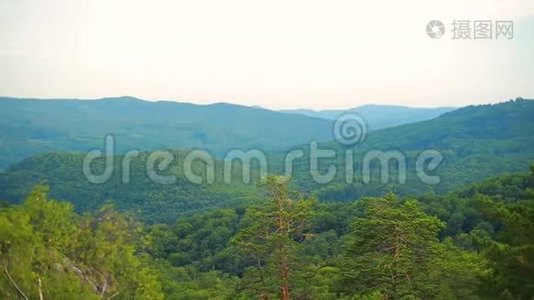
(14, 284)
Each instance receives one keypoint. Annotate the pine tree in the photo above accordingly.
(271, 237)
(394, 250)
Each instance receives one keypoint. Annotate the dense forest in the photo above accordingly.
(474, 243)
(303, 150)
(33, 126)
(469, 237)
(475, 141)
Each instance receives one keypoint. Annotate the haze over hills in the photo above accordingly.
(475, 141)
(31, 126)
(220, 192)
(181, 239)
(379, 116)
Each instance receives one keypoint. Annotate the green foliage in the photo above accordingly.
(394, 249)
(221, 241)
(46, 249)
(190, 284)
(475, 243)
(29, 126)
(475, 141)
(512, 251)
(201, 240)
(151, 201)
(270, 238)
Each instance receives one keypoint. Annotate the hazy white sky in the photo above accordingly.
(277, 54)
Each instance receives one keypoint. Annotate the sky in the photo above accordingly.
(276, 54)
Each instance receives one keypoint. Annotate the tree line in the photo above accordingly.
(474, 243)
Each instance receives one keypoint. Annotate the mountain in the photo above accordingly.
(152, 201)
(379, 116)
(475, 142)
(30, 126)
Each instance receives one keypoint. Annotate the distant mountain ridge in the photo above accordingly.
(475, 141)
(379, 116)
(32, 126)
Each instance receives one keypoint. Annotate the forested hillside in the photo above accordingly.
(476, 243)
(292, 150)
(154, 202)
(476, 142)
(132, 237)
(31, 126)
